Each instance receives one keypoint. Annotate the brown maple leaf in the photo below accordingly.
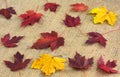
(7, 42)
(49, 40)
(108, 67)
(30, 18)
(72, 21)
(18, 62)
(80, 62)
(51, 6)
(7, 12)
(96, 37)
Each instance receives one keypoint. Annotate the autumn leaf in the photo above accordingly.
(18, 62)
(7, 42)
(102, 14)
(72, 21)
(48, 64)
(51, 6)
(80, 62)
(95, 37)
(108, 67)
(79, 7)
(7, 12)
(49, 40)
(30, 18)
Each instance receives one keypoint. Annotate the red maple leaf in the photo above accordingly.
(96, 37)
(18, 62)
(30, 18)
(51, 6)
(49, 40)
(72, 21)
(80, 62)
(7, 13)
(79, 7)
(108, 67)
(7, 42)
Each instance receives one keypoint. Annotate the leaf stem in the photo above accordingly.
(62, 32)
(20, 74)
(59, 75)
(57, 56)
(111, 31)
(46, 76)
(118, 72)
(37, 8)
(79, 30)
(6, 4)
(84, 73)
(47, 0)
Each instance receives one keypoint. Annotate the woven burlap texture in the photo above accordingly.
(74, 39)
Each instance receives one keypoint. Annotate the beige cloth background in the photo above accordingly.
(74, 40)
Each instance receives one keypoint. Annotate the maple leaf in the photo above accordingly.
(18, 62)
(51, 6)
(102, 14)
(48, 64)
(96, 37)
(108, 67)
(79, 7)
(72, 21)
(7, 42)
(7, 12)
(30, 18)
(49, 40)
(80, 62)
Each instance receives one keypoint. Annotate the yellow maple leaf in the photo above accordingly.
(102, 14)
(48, 64)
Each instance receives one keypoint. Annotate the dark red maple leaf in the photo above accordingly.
(7, 13)
(49, 40)
(30, 18)
(80, 62)
(72, 21)
(108, 67)
(96, 37)
(79, 7)
(7, 42)
(18, 62)
(51, 6)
